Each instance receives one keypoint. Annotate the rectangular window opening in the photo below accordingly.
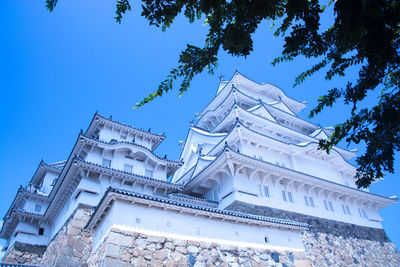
(149, 173)
(330, 206)
(266, 191)
(290, 197)
(38, 208)
(106, 163)
(284, 195)
(311, 202)
(326, 205)
(128, 168)
(306, 201)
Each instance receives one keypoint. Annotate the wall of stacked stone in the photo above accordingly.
(24, 253)
(72, 244)
(332, 243)
(123, 248)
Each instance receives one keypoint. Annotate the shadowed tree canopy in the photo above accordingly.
(364, 33)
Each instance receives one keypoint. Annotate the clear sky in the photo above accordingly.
(57, 69)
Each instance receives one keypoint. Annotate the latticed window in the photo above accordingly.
(128, 168)
(106, 163)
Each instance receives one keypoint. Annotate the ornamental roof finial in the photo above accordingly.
(221, 77)
(110, 117)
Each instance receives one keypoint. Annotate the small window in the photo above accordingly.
(38, 208)
(216, 193)
(54, 182)
(311, 201)
(106, 163)
(330, 206)
(137, 220)
(128, 168)
(113, 141)
(290, 196)
(41, 231)
(266, 191)
(326, 205)
(364, 214)
(306, 201)
(284, 195)
(149, 173)
(348, 210)
(260, 158)
(266, 239)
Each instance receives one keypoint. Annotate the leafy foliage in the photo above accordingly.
(365, 33)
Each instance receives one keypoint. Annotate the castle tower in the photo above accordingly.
(250, 187)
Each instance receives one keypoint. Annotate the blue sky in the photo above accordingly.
(57, 69)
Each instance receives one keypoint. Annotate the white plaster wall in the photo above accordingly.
(276, 201)
(47, 182)
(319, 168)
(30, 205)
(187, 224)
(118, 160)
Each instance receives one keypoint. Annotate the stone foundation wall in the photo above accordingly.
(24, 254)
(72, 244)
(332, 243)
(122, 249)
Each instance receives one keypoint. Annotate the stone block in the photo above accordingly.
(72, 231)
(109, 262)
(155, 263)
(169, 245)
(76, 244)
(113, 251)
(193, 249)
(182, 250)
(161, 254)
(156, 239)
(78, 223)
(118, 239)
(179, 242)
(126, 257)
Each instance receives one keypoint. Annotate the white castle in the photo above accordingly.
(250, 175)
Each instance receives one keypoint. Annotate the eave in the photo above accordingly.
(172, 164)
(289, 176)
(244, 115)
